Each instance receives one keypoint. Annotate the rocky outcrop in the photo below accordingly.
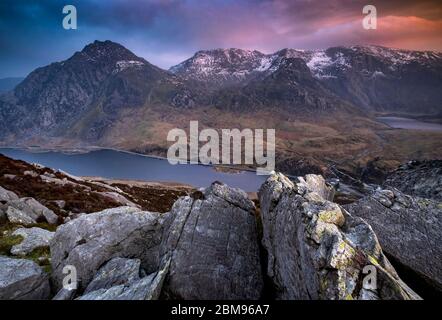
(418, 178)
(33, 238)
(208, 245)
(91, 240)
(120, 279)
(19, 217)
(316, 250)
(408, 228)
(22, 280)
(28, 211)
(212, 243)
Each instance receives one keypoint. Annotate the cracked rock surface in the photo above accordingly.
(22, 279)
(212, 243)
(316, 250)
(120, 279)
(409, 229)
(91, 240)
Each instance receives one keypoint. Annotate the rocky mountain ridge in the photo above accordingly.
(346, 71)
(320, 103)
(84, 96)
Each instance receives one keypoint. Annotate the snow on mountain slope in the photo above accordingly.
(220, 65)
(235, 65)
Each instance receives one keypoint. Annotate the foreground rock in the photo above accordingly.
(22, 280)
(120, 279)
(316, 250)
(91, 240)
(418, 178)
(28, 211)
(116, 272)
(33, 238)
(212, 243)
(408, 228)
(18, 216)
(65, 294)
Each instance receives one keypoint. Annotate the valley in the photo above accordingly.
(323, 104)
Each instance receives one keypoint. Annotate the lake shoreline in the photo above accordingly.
(115, 164)
(396, 122)
(88, 149)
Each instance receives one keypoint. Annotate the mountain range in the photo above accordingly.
(107, 96)
(370, 77)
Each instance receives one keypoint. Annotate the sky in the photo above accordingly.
(166, 32)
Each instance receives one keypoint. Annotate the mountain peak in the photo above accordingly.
(106, 50)
(220, 66)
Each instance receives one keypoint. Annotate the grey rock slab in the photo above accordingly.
(91, 240)
(317, 250)
(65, 294)
(137, 290)
(212, 243)
(19, 217)
(22, 279)
(6, 195)
(33, 209)
(130, 288)
(409, 229)
(116, 272)
(32, 238)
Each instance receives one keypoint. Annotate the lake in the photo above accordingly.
(123, 165)
(412, 124)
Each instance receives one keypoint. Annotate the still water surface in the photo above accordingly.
(122, 165)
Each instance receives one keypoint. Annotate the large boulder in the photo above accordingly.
(28, 211)
(212, 243)
(22, 280)
(316, 250)
(409, 229)
(18, 216)
(33, 238)
(91, 240)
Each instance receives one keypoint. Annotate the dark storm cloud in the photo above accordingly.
(168, 31)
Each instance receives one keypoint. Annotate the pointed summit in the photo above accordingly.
(106, 51)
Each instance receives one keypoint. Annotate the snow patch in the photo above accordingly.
(125, 64)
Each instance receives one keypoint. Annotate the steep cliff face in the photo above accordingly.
(83, 95)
